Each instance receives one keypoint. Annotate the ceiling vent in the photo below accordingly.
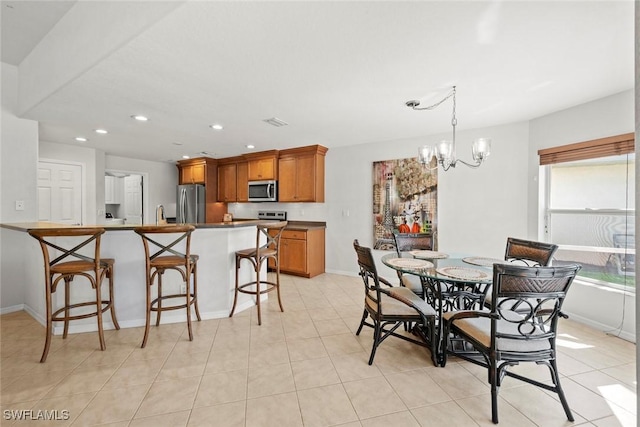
(274, 121)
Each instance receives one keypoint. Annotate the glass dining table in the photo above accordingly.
(450, 282)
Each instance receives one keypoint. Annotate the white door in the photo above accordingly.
(59, 192)
(133, 199)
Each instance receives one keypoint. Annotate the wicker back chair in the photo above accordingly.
(504, 337)
(389, 306)
(530, 253)
(405, 242)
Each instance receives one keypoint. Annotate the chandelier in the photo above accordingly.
(445, 151)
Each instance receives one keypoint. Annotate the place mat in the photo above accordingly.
(429, 254)
(463, 273)
(409, 263)
(485, 262)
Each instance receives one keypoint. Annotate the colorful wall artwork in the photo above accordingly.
(405, 196)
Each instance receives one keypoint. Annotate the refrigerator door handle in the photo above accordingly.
(183, 205)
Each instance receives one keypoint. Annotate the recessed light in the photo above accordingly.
(101, 131)
(81, 139)
(216, 126)
(185, 157)
(250, 146)
(140, 118)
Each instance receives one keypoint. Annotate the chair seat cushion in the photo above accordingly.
(398, 304)
(412, 282)
(479, 328)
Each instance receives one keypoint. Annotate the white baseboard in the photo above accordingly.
(12, 309)
(601, 326)
(167, 318)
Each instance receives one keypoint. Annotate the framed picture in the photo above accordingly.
(405, 196)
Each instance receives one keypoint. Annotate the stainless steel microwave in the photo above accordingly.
(263, 191)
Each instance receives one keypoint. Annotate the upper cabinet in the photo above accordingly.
(113, 190)
(193, 172)
(242, 181)
(262, 166)
(227, 179)
(301, 174)
(204, 170)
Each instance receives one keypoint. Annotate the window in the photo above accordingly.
(588, 210)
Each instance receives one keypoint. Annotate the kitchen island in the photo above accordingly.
(22, 274)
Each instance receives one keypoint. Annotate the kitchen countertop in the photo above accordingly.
(26, 226)
(38, 225)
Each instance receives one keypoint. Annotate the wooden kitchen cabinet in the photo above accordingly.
(302, 252)
(233, 180)
(262, 166)
(227, 190)
(193, 174)
(301, 174)
(242, 182)
(204, 170)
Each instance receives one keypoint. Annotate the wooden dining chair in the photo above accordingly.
(504, 338)
(69, 254)
(391, 306)
(168, 248)
(267, 248)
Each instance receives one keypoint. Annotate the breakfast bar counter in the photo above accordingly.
(22, 274)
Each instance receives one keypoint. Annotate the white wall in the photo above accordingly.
(18, 153)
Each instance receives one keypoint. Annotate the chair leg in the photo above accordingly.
(188, 303)
(493, 380)
(563, 399)
(195, 290)
(47, 342)
(67, 302)
(159, 312)
(376, 338)
(235, 294)
(98, 284)
(110, 275)
(148, 319)
(278, 283)
(258, 291)
(364, 316)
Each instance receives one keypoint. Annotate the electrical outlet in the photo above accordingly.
(183, 289)
(19, 205)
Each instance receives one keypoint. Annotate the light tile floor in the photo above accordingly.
(305, 367)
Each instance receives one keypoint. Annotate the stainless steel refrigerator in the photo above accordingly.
(190, 204)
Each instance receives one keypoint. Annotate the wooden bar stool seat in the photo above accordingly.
(54, 244)
(257, 255)
(169, 248)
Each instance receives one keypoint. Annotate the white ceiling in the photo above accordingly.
(338, 72)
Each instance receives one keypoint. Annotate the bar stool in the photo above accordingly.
(257, 255)
(94, 269)
(160, 257)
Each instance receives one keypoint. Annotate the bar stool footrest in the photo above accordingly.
(106, 305)
(270, 286)
(192, 301)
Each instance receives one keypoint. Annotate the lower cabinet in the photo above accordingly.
(302, 252)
